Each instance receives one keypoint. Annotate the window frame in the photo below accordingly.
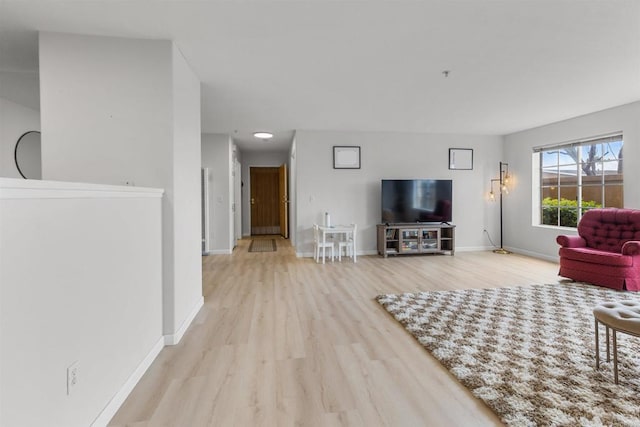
(578, 177)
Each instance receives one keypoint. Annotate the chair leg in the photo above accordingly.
(615, 358)
(608, 351)
(597, 346)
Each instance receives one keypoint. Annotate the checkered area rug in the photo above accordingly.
(528, 352)
(263, 245)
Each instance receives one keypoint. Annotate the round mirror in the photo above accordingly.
(28, 155)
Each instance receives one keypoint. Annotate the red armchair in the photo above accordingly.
(606, 250)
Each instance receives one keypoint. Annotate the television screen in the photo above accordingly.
(416, 200)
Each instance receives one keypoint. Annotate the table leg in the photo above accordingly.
(355, 259)
(324, 246)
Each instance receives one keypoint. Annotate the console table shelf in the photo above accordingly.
(403, 239)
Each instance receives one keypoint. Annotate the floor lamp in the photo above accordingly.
(502, 181)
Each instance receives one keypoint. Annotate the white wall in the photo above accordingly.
(117, 110)
(250, 159)
(217, 154)
(21, 86)
(187, 279)
(106, 110)
(80, 280)
(520, 234)
(354, 195)
(15, 119)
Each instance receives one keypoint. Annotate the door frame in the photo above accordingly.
(237, 201)
(283, 199)
(248, 185)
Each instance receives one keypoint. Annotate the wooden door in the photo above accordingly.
(283, 199)
(265, 206)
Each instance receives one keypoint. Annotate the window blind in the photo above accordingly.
(596, 140)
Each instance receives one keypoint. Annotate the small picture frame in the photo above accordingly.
(461, 158)
(346, 157)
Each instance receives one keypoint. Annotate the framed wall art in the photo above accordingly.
(346, 157)
(461, 158)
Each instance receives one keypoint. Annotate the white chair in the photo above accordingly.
(319, 244)
(348, 244)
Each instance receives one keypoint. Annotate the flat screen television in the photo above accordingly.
(416, 200)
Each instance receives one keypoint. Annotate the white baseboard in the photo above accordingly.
(116, 402)
(307, 254)
(460, 249)
(532, 254)
(474, 248)
(369, 252)
(174, 339)
(220, 252)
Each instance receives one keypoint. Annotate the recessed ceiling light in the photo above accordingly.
(263, 135)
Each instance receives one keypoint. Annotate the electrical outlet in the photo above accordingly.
(72, 377)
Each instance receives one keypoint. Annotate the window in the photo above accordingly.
(578, 176)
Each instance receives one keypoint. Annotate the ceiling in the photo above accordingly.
(365, 65)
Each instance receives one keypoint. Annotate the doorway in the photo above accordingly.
(269, 200)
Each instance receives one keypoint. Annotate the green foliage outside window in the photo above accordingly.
(566, 208)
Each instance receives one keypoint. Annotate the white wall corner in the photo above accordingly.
(173, 339)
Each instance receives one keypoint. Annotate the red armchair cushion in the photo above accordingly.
(595, 256)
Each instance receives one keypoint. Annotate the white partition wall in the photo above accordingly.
(80, 283)
(117, 110)
(217, 155)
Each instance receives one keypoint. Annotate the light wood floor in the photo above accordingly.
(283, 341)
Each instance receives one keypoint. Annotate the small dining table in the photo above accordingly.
(339, 229)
